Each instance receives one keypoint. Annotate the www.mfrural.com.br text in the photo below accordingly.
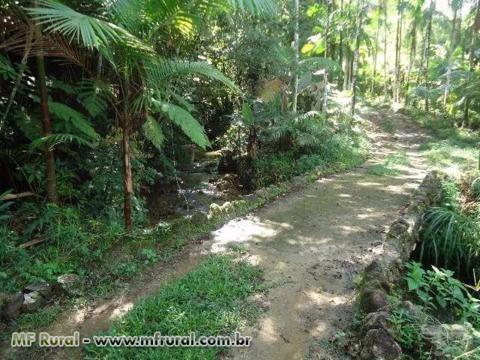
(44, 339)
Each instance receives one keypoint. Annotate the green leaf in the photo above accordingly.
(72, 119)
(84, 29)
(247, 115)
(158, 71)
(153, 132)
(53, 140)
(183, 119)
(441, 301)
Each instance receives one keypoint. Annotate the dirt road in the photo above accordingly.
(313, 243)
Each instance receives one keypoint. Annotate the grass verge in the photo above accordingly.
(211, 300)
(451, 149)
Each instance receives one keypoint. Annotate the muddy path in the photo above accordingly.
(311, 243)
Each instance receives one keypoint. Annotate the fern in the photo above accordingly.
(56, 139)
(183, 119)
(93, 97)
(72, 119)
(153, 132)
(7, 71)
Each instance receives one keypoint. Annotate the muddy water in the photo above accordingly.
(193, 190)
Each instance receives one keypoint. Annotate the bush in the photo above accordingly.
(273, 168)
(450, 235)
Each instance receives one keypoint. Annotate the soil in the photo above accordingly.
(312, 244)
(315, 242)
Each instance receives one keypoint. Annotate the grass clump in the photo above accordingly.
(390, 165)
(450, 231)
(211, 300)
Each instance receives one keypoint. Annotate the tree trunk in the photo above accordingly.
(398, 46)
(356, 57)
(471, 65)
(340, 49)
(375, 50)
(127, 165)
(426, 50)
(413, 53)
(21, 71)
(450, 56)
(385, 85)
(48, 154)
(296, 40)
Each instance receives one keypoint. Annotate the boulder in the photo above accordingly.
(379, 345)
(378, 272)
(376, 320)
(42, 287)
(33, 301)
(69, 283)
(373, 298)
(12, 305)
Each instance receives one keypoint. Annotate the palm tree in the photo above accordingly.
(456, 6)
(296, 45)
(140, 77)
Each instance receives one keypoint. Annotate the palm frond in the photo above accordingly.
(72, 120)
(266, 7)
(153, 132)
(157, 72)
(84, 29)
(93, 95)
(56, 139)
(185, 121)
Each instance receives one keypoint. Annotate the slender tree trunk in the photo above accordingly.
(48, 154)
(471, 65)
(385, 29)
(398, 46)
(426, 51)
(375, 50)
(450, 57)
(413, 54)
(296, 45)
(340, 49)
(347, 71)
(327, 29)
(127, 165)
(21, 71)
(356, 57)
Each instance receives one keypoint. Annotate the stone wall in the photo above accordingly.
(401, 239)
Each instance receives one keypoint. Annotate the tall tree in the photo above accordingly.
(426, 51)
(456, 6)
(296, 48)
(356, 55)
(50, 173)
(416, 21)
(385, 68)
(375, 48)
(474, 45)
(398, 50)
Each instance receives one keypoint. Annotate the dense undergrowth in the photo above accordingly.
(442, 283)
